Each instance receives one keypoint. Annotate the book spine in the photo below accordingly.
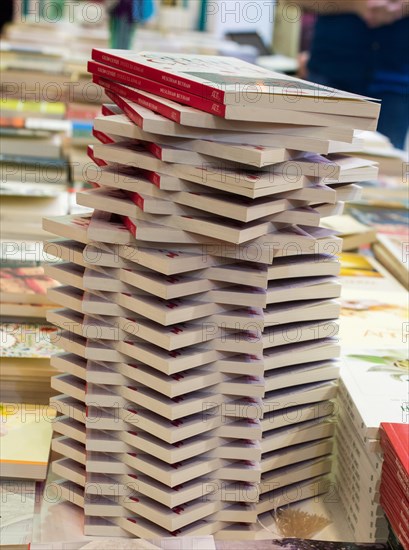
(102, 137)
(396, 442)
(155, 149)
(154, 178)
(158, 89)
(98, 162)
(176, 81)
(397, 525)
(390, 457)
(107, 111)
(131, 227)
(136, 97)
(137, 199)
(128, 111)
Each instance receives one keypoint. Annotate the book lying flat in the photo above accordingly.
(71, 227)
(26, 432)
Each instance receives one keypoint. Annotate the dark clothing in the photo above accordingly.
(349, 55)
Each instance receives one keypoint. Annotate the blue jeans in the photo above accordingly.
(394, 117)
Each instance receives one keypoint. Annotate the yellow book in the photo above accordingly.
(25, 433)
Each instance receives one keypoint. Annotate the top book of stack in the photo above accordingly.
(233, 89)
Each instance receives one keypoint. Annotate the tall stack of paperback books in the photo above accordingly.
(200, 298)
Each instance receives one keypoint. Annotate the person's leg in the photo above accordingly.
(394, 118)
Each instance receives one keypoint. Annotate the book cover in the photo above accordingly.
(26, 432)
(377, 383)
(24, 340)
(373, 304)
(397, 435)
(218, 78)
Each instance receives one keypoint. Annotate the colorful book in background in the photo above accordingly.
(373, 304)
(384, 220)
(25, 436)
(384, 192)
(393, 252)
(28, 341)
(12, 107)
(25, 285)
(30, 142)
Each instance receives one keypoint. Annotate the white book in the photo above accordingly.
(151, 121)
(234, 115)
(375, 377)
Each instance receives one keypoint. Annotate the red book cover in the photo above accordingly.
(155, 149)
(390, 459)
(98, 162)
(107, 111)
(398, 435)
(156, 88)
(102, 137)
(136, 97)
(390, 483)
(180, 82)
(123, 105)
(137, 199)
(129, 225)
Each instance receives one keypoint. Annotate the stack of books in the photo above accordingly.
(61, 90)
(200, 301)
(372, 387)
(395, 478)
(25, 351)
(34, 172)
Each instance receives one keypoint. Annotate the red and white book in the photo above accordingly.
(224, 118)
(231, 81)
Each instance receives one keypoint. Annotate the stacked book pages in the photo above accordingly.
(395, 480)
(199, 299)
(373, 387)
